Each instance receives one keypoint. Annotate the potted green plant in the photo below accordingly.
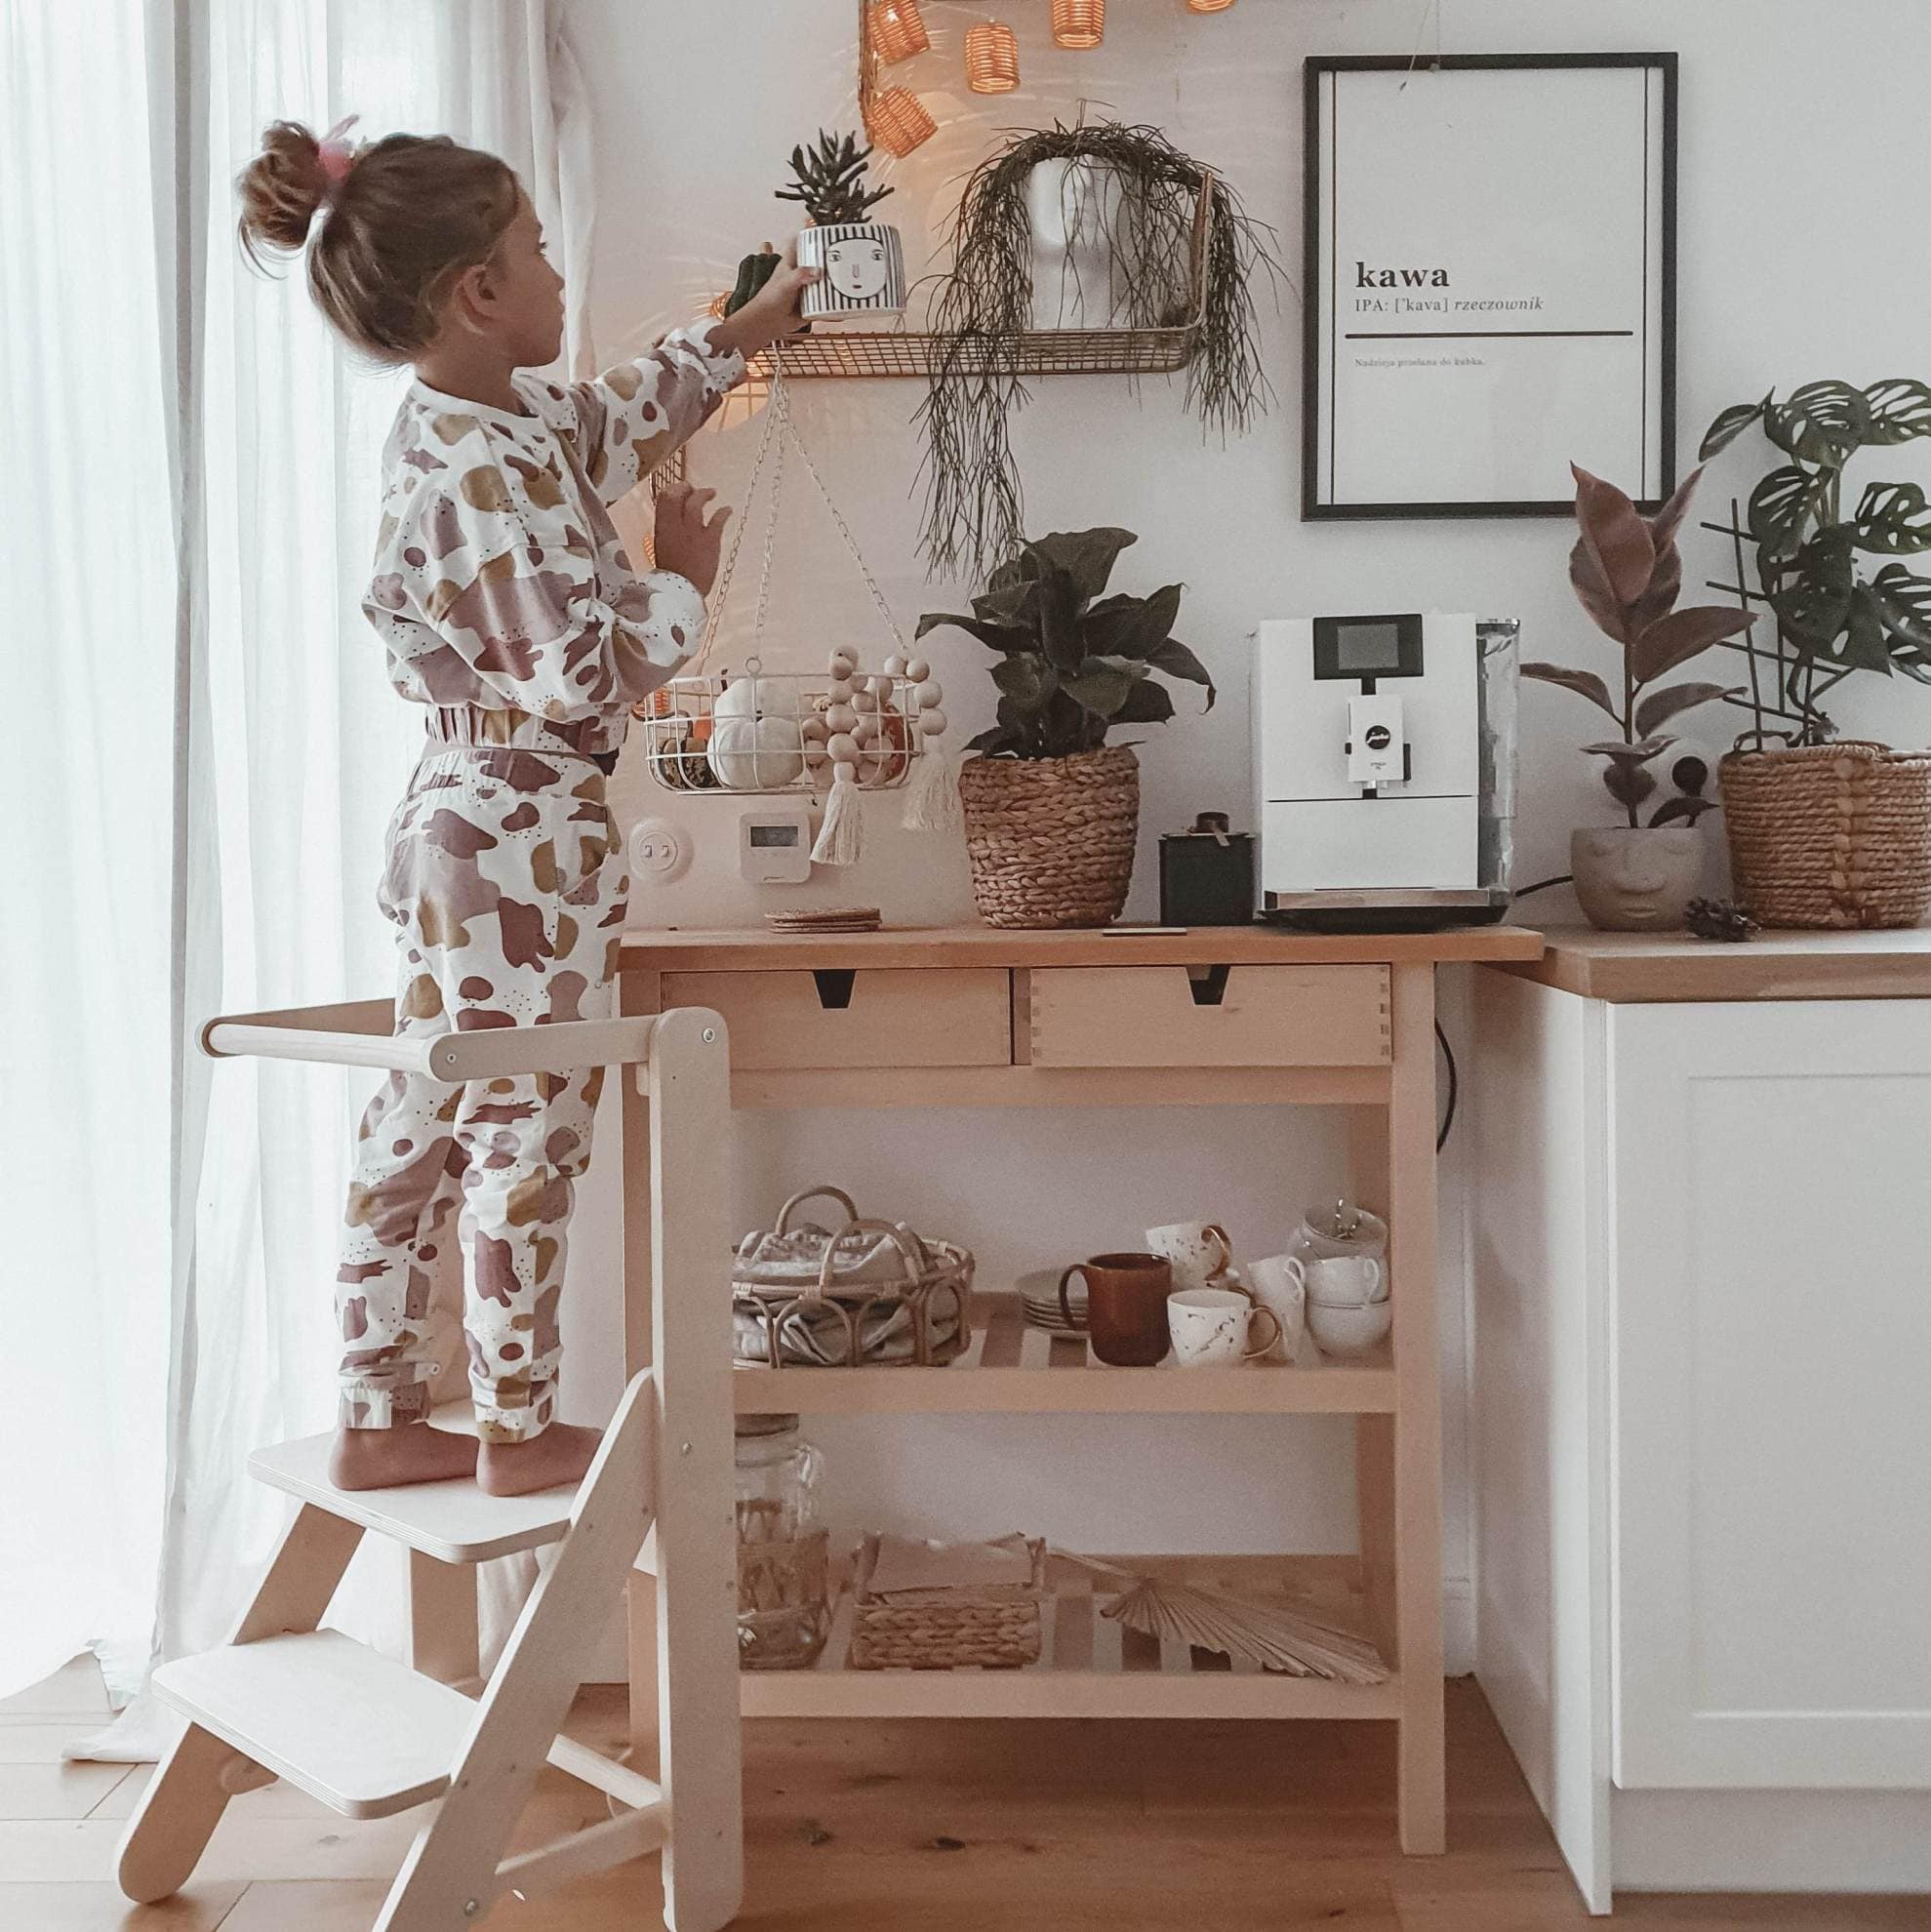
(1826, 832)
(1051, 808)
(1116, 210)
(864, 262)
(1627, 573)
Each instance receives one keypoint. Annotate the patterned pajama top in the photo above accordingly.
(500, 585)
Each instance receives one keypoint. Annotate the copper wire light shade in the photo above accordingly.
(1208, 6)
(898, 121)
(1079, 22)
(991, 58)
(897, 30)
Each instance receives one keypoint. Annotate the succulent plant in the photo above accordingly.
(1073, 664)
(828, 178)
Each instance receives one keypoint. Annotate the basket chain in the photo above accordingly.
(778, 427)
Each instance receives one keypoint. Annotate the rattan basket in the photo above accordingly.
(1051, 839)
(1830, 835)
(868, 1294)
(992, 1627)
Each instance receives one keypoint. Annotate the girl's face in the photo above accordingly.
(515, 297)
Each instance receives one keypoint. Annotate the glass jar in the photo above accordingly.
(784, 1593)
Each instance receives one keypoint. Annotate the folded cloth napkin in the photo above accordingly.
(911, 1563)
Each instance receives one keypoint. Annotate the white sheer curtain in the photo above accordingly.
(87, 944)
(172, 1339)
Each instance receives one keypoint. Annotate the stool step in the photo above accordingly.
(364, 1734)
(454, 1520)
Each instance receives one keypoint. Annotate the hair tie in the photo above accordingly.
(338, 156)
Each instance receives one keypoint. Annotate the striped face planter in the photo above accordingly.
(864, 271)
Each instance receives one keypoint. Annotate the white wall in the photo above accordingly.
(1788, 135)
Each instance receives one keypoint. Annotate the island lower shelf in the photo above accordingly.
(1091, 1666)
(1011, 1368)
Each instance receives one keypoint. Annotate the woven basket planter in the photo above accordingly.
(1051, 839)
(1830, 835)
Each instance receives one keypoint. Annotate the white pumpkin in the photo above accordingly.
(755, 754)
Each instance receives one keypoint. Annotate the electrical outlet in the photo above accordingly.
(660, 852)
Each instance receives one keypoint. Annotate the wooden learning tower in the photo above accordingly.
(368, 1736)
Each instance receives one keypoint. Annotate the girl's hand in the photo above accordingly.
(772, 314)
(682, 539)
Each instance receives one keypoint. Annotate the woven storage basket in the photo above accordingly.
(1051, 839)
(1830, 834)
(995, 1626)
(869, 1293)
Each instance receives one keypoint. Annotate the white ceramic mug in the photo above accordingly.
(1349, 1330)
(1345, 1281)
(1280, 1285)
(1199, 1251)
(1210, 1327)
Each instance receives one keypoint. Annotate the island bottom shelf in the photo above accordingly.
(1091, 1665)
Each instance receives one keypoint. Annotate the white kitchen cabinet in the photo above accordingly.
(1703, 1405)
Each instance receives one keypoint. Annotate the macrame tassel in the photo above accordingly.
(932, 801)
(841, 837)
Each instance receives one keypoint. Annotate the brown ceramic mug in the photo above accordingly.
(1126, 1306)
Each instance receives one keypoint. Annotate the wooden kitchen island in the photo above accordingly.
(972, 1017)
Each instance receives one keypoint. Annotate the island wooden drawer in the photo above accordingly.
(872, 1017)
(1224, 1016)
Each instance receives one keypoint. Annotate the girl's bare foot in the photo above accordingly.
(560, 1454)
(411, 1452)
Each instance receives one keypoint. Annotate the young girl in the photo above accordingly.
(511, 614)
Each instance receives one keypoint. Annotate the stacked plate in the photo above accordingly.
(825, 919)
(1039, 1302)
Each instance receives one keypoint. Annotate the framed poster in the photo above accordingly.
(1491, 283)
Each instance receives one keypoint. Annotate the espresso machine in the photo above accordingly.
(1385, 769)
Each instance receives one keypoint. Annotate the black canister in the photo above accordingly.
(1207, 875)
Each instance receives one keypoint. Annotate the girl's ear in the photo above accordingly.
(472, 298)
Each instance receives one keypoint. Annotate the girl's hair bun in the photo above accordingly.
(281, 189)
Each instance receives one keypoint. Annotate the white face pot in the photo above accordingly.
(1074, 209)
(1636, 878)
(863, 266)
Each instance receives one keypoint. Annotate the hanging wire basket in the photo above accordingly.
(760, 733)
(756, 733)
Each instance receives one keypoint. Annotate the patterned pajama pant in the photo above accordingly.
(508, 892)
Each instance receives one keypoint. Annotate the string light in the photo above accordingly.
(898, 121)
(1079, 24)
(898, 31)
(991, 58)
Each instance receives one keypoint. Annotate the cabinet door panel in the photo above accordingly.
(1772, 1394)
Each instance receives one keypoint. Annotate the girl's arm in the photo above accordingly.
(632, 416)
(491, 600)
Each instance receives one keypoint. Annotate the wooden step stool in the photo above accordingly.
(368, 1736)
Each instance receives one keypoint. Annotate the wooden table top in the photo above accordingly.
(756, 949)
(1635, 967)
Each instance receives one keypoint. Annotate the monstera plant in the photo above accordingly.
(1833, 617)
(1627, 573)
(1825, 831)
(1051, 808)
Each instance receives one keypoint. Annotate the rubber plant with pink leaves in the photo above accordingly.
(1626, 572)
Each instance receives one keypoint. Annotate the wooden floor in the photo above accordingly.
(1018, 1826)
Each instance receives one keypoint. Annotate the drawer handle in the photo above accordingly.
(1208, 985)
(834, 986)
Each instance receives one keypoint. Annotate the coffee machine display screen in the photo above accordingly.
(1363, 647)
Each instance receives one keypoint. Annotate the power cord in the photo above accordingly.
(1543, 885)
(1454, 1088)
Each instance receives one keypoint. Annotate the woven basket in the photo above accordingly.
(796, 1304)
(1831, 835)
(1051, 839)
(993, 1626)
